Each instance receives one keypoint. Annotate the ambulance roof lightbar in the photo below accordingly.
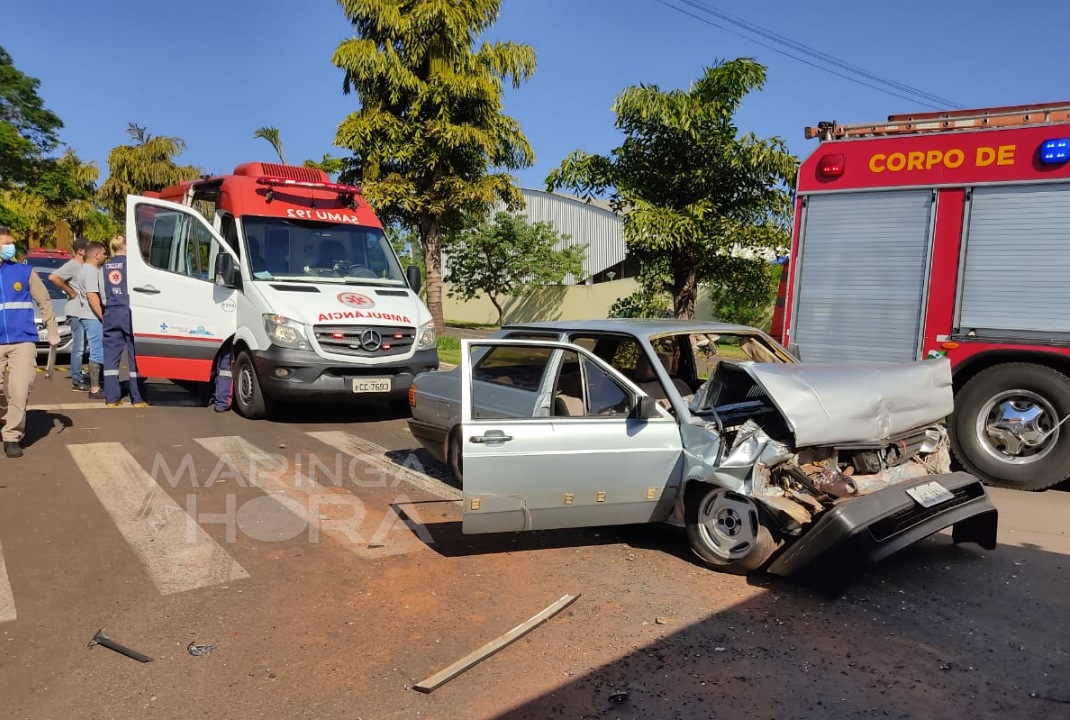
(272, 181)
(1055, 152)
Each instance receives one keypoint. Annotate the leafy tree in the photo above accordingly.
(508, 256)
(271, 134)
(28, 130)
(330, 165)
(691, 189)
(148, 164)
(430, 140)
(744, 290)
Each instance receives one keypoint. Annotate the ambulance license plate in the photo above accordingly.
(930, 494)
(371, 385)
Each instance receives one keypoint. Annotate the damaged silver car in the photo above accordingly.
(767, 463)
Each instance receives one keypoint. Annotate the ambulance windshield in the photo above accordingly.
(303, 250)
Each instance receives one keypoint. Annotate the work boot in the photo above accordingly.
(12, 449)
(80, 385)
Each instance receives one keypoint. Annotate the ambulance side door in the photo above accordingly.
(181, 317)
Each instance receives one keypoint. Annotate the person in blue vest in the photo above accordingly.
(20, 289)
(119, 330)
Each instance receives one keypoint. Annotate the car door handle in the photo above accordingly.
(491, 436)
(148, 289)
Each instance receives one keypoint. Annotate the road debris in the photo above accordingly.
(198, 650)
(619, 697)
(101, 639)
(661, 620)
(472, 659)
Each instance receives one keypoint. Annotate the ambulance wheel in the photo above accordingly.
(249, 399)
(1006, 429)
(728, 531)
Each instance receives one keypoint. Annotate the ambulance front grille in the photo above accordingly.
(365, 340)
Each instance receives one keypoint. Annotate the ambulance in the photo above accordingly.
(293, 277)
(947, 234)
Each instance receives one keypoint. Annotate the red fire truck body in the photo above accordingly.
(948, 234)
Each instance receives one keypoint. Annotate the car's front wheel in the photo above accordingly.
(249, 398)
(728, 531)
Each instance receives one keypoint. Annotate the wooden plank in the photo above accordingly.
(472, 659)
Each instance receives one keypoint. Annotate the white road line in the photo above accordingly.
(177, 553)
(7, 599)
(375, 455)
(365, 530)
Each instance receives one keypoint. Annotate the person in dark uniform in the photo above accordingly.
(119, 330)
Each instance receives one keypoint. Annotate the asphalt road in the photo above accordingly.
(323, 559)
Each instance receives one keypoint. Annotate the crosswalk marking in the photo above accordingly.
(7, 599)
(375, 455)
(175, 551)
(364, 529)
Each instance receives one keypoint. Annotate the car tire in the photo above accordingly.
(249, 398)
(455, 455)
(728, 531)
(1003, 456)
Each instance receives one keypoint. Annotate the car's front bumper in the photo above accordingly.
(867, 529)
(299, 376)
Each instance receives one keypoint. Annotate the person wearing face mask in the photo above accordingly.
(20, 288)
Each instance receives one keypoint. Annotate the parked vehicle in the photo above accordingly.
(767, 463)
(295, 277)
(45, 262)
(944, 234)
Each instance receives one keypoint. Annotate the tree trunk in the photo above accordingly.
(431, 239)
(498, 306)
(684, 288)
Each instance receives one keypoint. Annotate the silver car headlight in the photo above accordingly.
(286, 333)
(426, 339)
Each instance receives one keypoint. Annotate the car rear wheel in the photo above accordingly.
(1006, 429)
(454, 454)
(727, 530)
(249, 399)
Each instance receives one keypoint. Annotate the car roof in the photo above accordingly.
(633, 326)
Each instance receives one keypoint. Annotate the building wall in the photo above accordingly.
(554, 302)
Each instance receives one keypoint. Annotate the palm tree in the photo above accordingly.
(430, 135)
(149, 164)
(271, 134)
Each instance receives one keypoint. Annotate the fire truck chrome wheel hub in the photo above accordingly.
(1016, 426)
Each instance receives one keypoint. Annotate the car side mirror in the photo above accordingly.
(412, 274)
(226, 271)
(646, 408)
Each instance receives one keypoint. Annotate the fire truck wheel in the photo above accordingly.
(249, 399)
(1006, 430)
(727, 530)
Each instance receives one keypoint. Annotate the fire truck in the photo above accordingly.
(947, 235)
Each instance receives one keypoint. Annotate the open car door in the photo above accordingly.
(576, 445)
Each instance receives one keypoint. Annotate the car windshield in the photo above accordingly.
(45, 267)
(301, 250)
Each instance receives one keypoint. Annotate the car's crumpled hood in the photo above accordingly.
(856, 402)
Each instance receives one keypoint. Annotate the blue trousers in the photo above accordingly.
(94, 337)
(77, 347)
(224, 384)
(119, 336)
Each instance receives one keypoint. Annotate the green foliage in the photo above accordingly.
(28, 130)
(508, 256)
(148, 164)
(271, 134)
(430, 140)
(331, 165)
(643, 303)
(449, 350)
(744, 291)
(693, 191)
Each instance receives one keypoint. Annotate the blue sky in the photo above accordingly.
(212, 72)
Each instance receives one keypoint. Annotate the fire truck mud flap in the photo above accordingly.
(863, 530)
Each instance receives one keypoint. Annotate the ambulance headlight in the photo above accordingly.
(425, 336)
(285, 333)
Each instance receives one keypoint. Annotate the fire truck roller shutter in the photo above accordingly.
(1017, 264)
(861, 285)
